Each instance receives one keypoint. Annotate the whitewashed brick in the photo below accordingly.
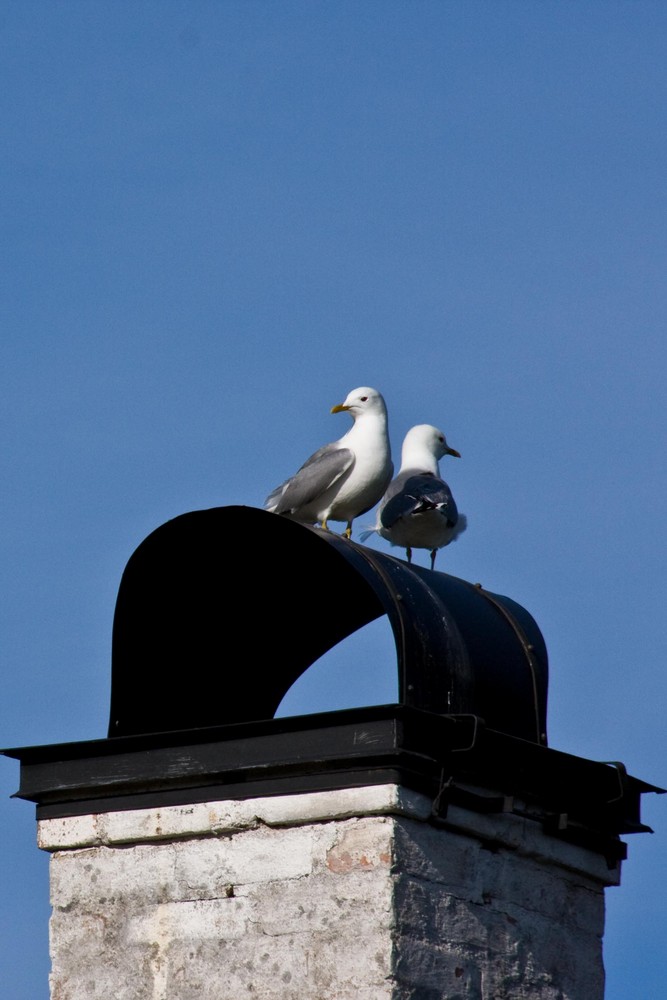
(311, 898)
(230, 816)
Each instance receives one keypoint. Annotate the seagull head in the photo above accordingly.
(422, 441)
(360, 401)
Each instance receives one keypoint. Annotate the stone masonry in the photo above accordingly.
(338, 895)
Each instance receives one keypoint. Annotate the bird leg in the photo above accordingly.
(408, 553)
(348, 531)
(433, 552)
(324, 525)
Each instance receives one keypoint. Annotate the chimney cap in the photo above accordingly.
(219, 611)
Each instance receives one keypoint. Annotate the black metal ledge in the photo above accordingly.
(453, 759)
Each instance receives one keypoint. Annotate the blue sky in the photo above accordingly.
(220, 217)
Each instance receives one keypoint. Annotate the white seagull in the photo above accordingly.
(418, 510)
(345, 478)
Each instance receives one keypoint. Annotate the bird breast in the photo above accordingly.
(365, 483)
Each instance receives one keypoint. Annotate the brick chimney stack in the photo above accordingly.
(435, 849)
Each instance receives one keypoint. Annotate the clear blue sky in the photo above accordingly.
(220, 217)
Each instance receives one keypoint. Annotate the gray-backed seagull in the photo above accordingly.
(418, 510)
(345, 478)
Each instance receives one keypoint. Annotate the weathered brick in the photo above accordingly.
(214, 903)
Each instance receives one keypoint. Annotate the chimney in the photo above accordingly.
(429, 849)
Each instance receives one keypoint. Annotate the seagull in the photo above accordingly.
(418, 510)
(345, 478)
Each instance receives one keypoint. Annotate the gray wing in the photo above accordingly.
(414, 494)
(315, 476)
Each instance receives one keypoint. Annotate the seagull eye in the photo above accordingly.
(364, 399)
